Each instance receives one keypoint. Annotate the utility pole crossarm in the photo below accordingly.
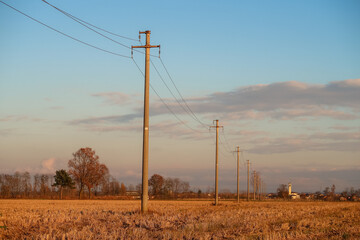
(147, 45)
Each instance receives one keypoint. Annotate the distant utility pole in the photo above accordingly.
(238, 157)
(145, 155)
(254, 185)
(248, 180)
(217, 162)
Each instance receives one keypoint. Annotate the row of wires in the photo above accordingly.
(180, 101)
(97, 30)
(64, 34)
(167, 106)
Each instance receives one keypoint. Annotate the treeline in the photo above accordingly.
(86, 177)
(160, 187)
(23, 185)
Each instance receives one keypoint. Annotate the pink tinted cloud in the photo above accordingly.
(115, 98)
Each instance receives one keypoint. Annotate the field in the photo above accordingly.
(110, 219)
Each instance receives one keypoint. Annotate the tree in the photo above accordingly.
(98, 173)
(185, 187)
(169, 186)
(36, 188)
(282, 191)
(63, 180)
(327, 191)
(122, 189)
(156, 183)
(86, 169)
(176, 187)
(26, 183)
(44, 184)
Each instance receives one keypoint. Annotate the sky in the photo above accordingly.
(282, 78)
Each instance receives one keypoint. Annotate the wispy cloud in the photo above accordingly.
(115, 98)
(107, 119)
(101, 128)
(18, 118)
(321, 141)
(176, 130)
(344, 128)
(56, 108)
(6, 131)
(283, 100)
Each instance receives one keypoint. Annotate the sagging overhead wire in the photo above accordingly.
(226, 141)
(73, 17)
(64, 34)
(182, 98)
(187, 109)
(171, 92)
(89, 26)
(162, 100)
(83, 23)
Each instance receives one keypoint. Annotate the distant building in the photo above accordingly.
(293, 195)
(133, 194)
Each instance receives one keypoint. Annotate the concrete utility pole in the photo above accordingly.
(254, 185)
(217, 162)
(145, 155)
(238, 157)
(248, 180)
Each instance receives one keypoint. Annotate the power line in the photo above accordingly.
(226, 141)
(162, 100)
(81, 22)
(182, 98)
(162, 79)
(64, 34)
(79, 19)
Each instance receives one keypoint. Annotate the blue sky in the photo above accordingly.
(283, 77)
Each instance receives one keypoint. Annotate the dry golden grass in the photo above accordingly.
(106, 219)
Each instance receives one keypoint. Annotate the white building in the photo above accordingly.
(293, 195)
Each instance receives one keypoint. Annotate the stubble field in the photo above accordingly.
(109, 219)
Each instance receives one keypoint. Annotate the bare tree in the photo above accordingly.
(16, 185)
(36, 188)
(26, 184)
(177, 184)
(44, 184)
(122, 189)
(156, 183)
(184, 186)
(169, 186)
(282, 191)
(327, 191)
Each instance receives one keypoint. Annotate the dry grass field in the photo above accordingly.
(109, 219)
